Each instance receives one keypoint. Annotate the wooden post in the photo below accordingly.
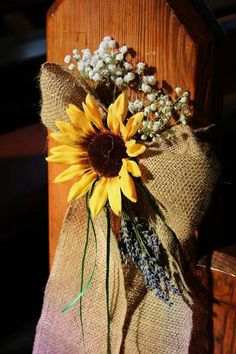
(169, 35)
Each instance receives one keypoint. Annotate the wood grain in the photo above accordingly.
(222, 296)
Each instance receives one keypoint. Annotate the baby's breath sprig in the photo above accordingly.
(110, 69)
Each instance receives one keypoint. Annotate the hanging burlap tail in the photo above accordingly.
(181, 177)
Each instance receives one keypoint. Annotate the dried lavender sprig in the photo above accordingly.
(146, 256)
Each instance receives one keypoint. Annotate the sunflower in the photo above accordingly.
(100, 154)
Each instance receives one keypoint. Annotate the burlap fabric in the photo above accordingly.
(181, 177)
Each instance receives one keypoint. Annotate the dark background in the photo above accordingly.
(23, 171)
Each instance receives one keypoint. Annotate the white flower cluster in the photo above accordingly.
(159, 110)
(109, 65)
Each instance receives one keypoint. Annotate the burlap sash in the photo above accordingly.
(181, 177)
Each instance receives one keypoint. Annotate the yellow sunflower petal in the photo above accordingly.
(65, 154)
(64, 158)
(112, 122)
(117, 113)
(133, 168)
(79, 119)
(65, 148)
(82, 186)
(74, 133)
(114, 195)
(70, 150)
(134, 149)
(64, 138)
(120, 107)
(92, 112)
(71, 172)
(99, 196)
(132, 126)
(127, 183)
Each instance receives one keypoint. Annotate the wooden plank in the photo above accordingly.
(171, 36)
(181, 50)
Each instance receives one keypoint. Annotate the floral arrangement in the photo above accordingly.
(124, 115)
(101, 144)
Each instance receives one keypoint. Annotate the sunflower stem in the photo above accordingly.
(107, 278)
(83, 265)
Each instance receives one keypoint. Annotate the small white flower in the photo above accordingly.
(153, 107)
(131, 107)
(81, 65)
(94, 59)
(140, 67)
(112, 44)
(119, 73)
(144, 124)
(86, 54)
(75, 51)
(128, 66)
(177, 106)
(145, 80)
(112, 68)
(107, 58)
(101, 52)
(67, 59)
(149, 125)
(156, 125)
(184, 99)
(99, 64)
(157, 138)
(146, 88)
(106, 39)
(138, 104)
(91, 74)
(147, 110)
(120, 57)
(151, 97)
(178, 90)
(87, 70)
(183, 119)
(123, 49)
(162, 102)
(186, 94)
(129, 77)
(71, 67)
(119, 81)
(144, 137)
(104, 72)
(97, 77)
(168, 114)
(76, 57)
(151, 80)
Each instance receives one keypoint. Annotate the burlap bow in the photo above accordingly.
(181, 177)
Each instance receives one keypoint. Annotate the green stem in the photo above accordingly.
(107, 279)
(83, 264)
(87, 285)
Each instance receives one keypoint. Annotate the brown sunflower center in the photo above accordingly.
(106, 151)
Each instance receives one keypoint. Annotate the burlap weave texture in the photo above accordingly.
(181, 177)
